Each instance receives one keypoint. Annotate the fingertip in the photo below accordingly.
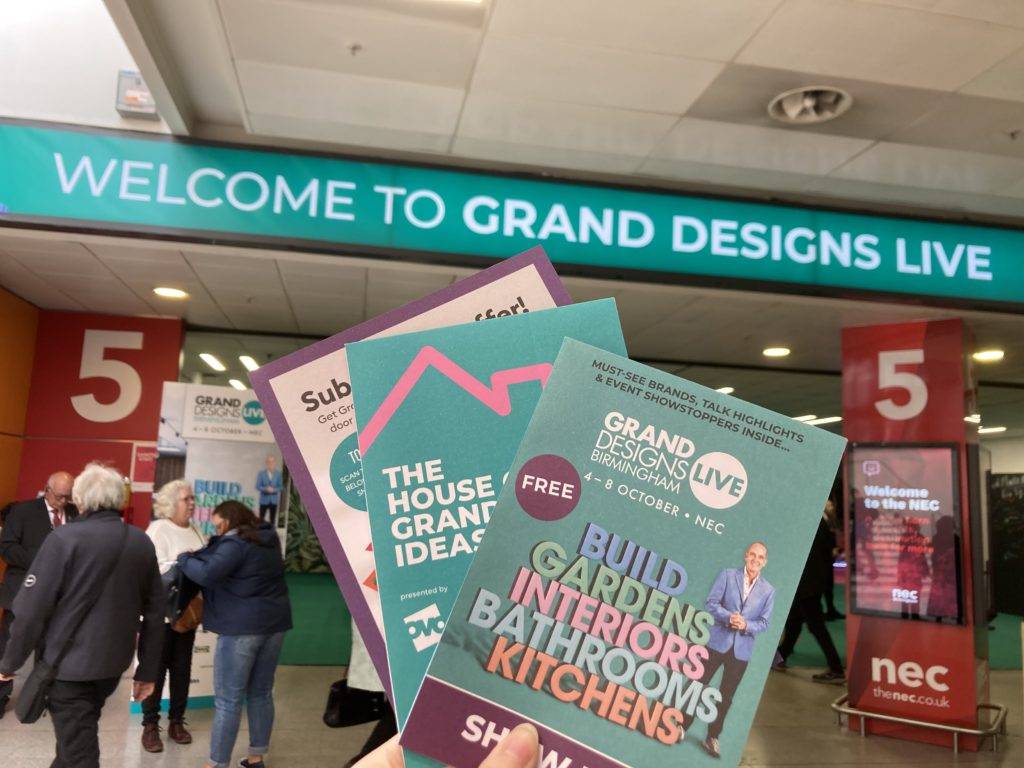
(522, 745)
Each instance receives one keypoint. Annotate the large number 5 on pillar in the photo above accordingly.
(94, 365)
(889, 377)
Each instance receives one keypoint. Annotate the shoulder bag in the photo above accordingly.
(34, 697)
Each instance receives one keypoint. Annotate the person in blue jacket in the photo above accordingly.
(245, 602)
(268, 483)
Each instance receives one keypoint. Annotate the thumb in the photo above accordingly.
(517, 750)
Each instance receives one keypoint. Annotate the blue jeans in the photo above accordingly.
(243, 673)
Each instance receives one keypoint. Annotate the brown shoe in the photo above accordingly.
(179, 735)
(151, 738)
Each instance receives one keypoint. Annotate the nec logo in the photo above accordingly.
(908, 596)
(909, 673)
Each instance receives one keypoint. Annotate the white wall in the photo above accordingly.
(1007, 454)
(59, 61)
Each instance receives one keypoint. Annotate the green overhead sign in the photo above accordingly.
(157, 183)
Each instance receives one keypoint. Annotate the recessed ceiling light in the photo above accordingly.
(988, 355)
(974, 418)
(775, 352)
(166, 292)
(212, 361)
(237, 384)
(726, 390)
(825, 420)
(809, 105)
(249, 363)
(990, 430)
(808, 417)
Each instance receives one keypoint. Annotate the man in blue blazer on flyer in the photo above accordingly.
(741, 601)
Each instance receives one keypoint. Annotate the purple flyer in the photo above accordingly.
(307, 397)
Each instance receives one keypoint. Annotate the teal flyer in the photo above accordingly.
(440, 415)
(632, 587)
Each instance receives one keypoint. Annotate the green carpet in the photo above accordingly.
(322, 635)
(1004, 650)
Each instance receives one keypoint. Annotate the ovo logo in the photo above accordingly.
(909, 673)
(252, 412)
(425, 627)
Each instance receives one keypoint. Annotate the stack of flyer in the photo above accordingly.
(529, 526)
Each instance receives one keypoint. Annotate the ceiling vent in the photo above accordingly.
(810, 105)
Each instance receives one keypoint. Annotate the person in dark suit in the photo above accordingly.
(741, 601)
(806, 608)
(70, 569)
(25, 527)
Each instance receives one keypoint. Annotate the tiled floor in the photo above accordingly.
(794, 727)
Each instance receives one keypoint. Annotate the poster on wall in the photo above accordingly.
(229, 451)
(308, 401)
(629, 595)
(905, 532)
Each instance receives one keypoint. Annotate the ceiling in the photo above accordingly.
(269, 303)
(667, 93)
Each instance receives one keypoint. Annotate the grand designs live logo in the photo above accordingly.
(252, 413)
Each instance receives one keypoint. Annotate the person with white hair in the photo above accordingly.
(81, 602)
(173, 533)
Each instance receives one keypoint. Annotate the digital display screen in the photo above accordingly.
(905, 536)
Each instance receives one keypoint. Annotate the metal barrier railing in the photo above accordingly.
(993, 731)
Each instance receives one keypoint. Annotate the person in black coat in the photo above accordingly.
(25, 526)
(806, 608)
(69, 580)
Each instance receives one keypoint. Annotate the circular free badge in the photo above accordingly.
(548, 487)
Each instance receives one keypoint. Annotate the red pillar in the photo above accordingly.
(909, 386)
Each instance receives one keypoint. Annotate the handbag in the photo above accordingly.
(34, 697)
(181, 593)
(191, 617)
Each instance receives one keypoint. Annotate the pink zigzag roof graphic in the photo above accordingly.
(496, 397)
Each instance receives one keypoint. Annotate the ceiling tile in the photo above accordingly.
(876, 42)
(565, 126)
(21, 281)
(772, 149)
(586, 74)
(723, 178)
(544, 159)
(320, 37)
(268, 317)
(225, 272)
(942, 169)
(316, 278)
(700, 29)
(10, 241)
(356, 136)
(741, 94)
(307, 94)
(1002, 81)
(73, 261)
(970, 123)
(1009, 12)
(944, 202)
